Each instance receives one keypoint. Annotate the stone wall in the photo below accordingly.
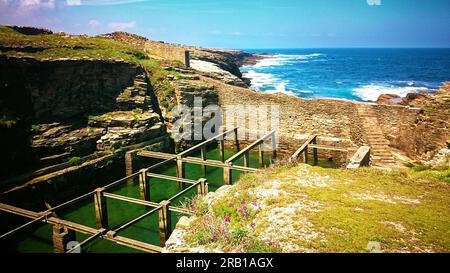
(42, 91)
(53, 111)
(338, 123)
(166, 51)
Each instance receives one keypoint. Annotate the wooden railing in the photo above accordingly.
(245, 153)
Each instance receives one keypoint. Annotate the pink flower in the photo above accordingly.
(227, 219)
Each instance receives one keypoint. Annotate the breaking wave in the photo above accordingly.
(371, 92)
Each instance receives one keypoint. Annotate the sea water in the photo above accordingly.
(354, 74)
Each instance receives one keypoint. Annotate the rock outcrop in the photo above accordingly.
(72, 108)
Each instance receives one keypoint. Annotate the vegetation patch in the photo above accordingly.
(312, 209)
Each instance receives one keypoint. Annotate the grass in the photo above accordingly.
(75, 160)
(55, 46)
(312, 209)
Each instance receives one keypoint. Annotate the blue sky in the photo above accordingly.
(247, 23)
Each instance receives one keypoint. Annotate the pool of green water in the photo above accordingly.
(39, 237)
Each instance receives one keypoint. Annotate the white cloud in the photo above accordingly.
(236, 33)
(94, 23)
(121, 26)
(22, 8)
(100, 2)
(73, 2)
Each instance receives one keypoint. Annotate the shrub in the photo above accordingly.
(75, 160)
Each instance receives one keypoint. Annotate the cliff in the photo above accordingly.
(64, 97)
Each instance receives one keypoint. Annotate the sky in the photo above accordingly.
(246, 24)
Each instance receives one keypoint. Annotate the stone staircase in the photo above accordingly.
(381, 154)
(135, 96)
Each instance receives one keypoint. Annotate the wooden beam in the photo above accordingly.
(198, 146)
(249, 147)
(227, 174)
(247, 159)
(261, 155)
(131, 200)
(135, 244)
(203, 157)
(171, 178)
(101, 212)
(156, 155)
(19, 211)
(315, 154)
(222, 150)
(165, 225)
(180, 170)
(274, 146)
(202, 186)
(303, 147)
(144, 185)
(236, 140)
(332, 148)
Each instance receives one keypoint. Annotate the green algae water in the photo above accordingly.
(38, 238)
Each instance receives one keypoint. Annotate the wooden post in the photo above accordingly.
(227, 175)
(316, 157)
(236, 140)
(305, 155)
(222, 150)
(61, 237)
(261, 155)
(202, 187)
(246, 159)
(129, 158)
(203, 156)
(187, 58)
(165, 223)
(180, 170)
(101, 213)
(144, 185)
(274, 146)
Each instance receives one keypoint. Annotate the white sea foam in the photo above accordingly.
(265, 80)
(260, 80)
(285, 59)
(371, 92)
(280, 88)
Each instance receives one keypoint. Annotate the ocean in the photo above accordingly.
(353, 74)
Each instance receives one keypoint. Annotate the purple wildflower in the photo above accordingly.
(227, 219)
(231, 204)
(253, 225)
